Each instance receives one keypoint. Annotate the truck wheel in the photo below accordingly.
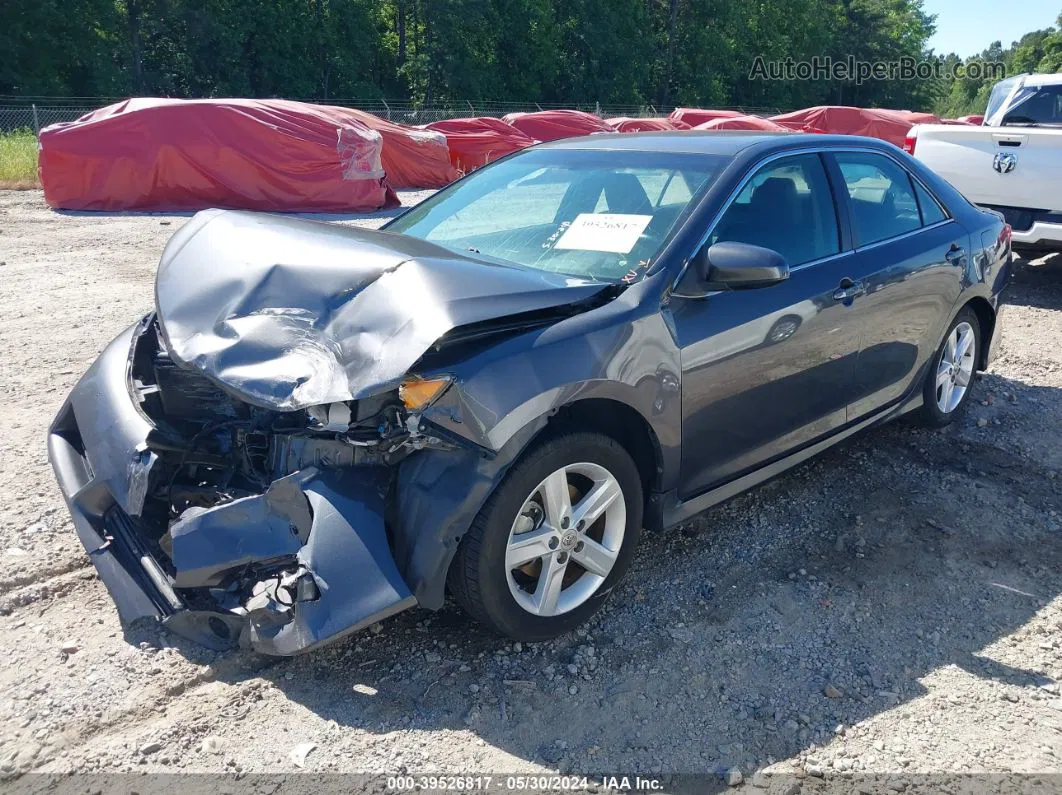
(553, 539)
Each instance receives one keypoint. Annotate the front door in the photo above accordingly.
(768, 370)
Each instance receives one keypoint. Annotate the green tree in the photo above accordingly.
(57, 47)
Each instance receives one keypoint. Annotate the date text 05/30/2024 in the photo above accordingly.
(520, 783)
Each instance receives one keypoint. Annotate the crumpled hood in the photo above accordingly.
(288, 313)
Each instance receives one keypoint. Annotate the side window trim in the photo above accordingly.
(840, 207)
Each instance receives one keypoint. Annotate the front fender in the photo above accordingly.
(504, 395)
(621, 352)
(438, 494)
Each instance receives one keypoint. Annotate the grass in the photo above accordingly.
(18, 160)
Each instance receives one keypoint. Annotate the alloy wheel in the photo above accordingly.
(565, 539)
(956, 367)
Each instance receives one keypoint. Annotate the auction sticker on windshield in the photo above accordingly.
(615, 232)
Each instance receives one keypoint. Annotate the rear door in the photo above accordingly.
(909, 262)
(766, 371)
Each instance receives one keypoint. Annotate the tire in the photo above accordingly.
(940, 403)
(523, 509)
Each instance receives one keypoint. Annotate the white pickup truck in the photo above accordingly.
(1012, 163)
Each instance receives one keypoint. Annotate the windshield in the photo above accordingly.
(1000, 92)
(599, 215)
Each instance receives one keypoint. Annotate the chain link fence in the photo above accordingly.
(36, 113)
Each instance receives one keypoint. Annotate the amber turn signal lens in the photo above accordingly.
(418, 393)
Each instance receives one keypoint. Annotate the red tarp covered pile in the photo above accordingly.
(742, 123)
(549, 125)
(171, 154)
(412, 157)
(695, 116)
(478, 141)
(888, 125)
(630, 124)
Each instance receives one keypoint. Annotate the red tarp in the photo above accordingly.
(629, 124)
(975, 118)
(171, 154)
(888, 125)
(478, 141)
(412, 157)
(742, 123)
(549, 125)
(695, 116)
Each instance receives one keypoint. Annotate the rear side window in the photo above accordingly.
(883, 200)
(930, 207)
(786, 206)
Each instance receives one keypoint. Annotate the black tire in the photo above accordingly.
(931, 414)
(478, 579)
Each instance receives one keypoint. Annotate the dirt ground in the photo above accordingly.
(894, 606)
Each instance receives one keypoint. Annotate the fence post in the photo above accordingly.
(388, 107)
(36, 121)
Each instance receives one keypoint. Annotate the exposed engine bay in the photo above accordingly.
(223, 448)
(209, 449)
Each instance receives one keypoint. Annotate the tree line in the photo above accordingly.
(1039, 51)
(650, 52)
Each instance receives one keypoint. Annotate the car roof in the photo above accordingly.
(709, 142)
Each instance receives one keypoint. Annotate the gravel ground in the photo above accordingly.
(891, 607)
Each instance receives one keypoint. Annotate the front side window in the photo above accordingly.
(591, 214)
(786, 206)
(882, 199)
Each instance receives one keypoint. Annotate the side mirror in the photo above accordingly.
(741, 265)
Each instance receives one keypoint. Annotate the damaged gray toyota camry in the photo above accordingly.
(319, 426)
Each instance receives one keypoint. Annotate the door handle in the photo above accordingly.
(955, 254)
(848, 289)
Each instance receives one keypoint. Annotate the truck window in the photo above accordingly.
(1042, 106)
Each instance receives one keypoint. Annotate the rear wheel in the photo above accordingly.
(947, 388)
(553, 539)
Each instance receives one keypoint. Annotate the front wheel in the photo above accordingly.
(552, 540)
(947, 387)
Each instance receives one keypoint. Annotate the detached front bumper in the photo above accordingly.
(328, 524)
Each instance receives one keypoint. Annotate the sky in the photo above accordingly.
(967, 27)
